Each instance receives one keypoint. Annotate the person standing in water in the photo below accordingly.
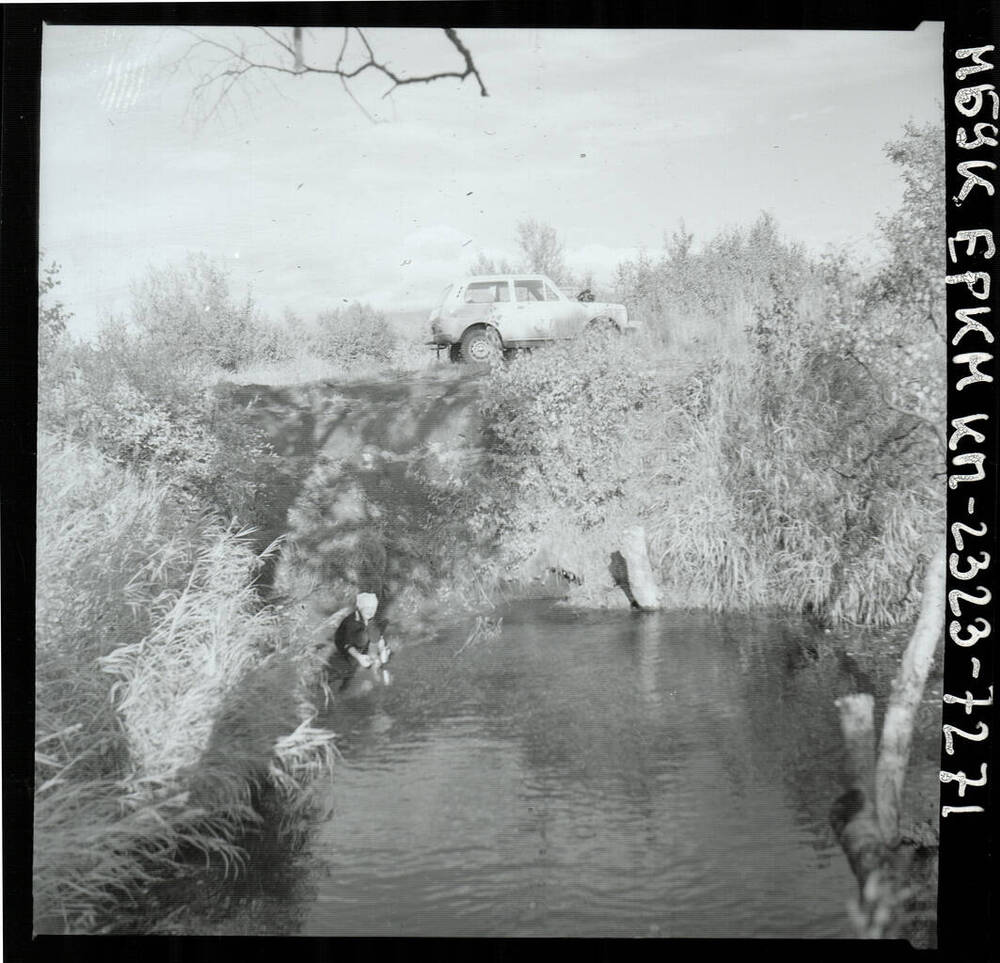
(360, 630)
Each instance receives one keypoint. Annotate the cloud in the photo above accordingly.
(435, 242)
(600, 259)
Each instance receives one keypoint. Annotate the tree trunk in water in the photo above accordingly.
(907, 689)
(866, 818)
(641, 586)
(853, 816)
(855, 822)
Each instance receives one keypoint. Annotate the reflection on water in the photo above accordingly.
(586, 774)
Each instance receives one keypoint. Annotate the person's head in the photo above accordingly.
(367, 604)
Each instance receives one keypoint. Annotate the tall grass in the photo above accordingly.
(166, 692)
(783, 500)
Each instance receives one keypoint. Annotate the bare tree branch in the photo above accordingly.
(880, 388)
(237, 62)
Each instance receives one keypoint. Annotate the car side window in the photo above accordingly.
(550, 293)
(486, 292)
(529, 290)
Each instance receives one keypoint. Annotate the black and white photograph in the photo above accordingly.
(491, 481)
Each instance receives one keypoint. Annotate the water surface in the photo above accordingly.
(586, 774)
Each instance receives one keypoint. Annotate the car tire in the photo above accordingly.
(481, 345)
(454, 353)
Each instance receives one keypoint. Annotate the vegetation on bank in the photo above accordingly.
(149, 633)
(173, 706)
(777, 431)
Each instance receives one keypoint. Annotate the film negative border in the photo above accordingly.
(972, 124)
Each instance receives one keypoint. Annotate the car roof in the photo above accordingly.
(505, 277)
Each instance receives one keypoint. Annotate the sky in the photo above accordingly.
(310, 196)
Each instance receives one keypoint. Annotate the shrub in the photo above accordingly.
(145, 407)
(707, 297)
(788, 493)
(560, 428)
(52, 316)
(189, 311)
(354, 335)
(810, 477)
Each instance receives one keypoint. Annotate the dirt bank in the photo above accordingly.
(356, 497)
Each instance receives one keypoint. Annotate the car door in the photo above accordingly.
(484, 301)
(532, 317)
(566, 317)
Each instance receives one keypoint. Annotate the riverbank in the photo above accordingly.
(167, 693)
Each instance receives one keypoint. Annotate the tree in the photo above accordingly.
(898, 334)
(282, 52)
(190, 308)
(912, 277)
(543, 251)
(52, 315)
(486, 265)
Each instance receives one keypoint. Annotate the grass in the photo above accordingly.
(168, 696)
(777, 494)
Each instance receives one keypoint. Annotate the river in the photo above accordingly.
(598, 774)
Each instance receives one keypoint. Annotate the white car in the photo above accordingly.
(483, 316)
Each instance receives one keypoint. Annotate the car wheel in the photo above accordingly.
(455, 352)
(481, 345)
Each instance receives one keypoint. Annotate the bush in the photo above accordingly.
(792, 490)
(354, 335)
(52, 316)
(689, 298)
(809, 479)
(798, 466)
(189, 311)
(150, 409)
(562, 450)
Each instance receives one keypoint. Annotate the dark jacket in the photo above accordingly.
(353, 632)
